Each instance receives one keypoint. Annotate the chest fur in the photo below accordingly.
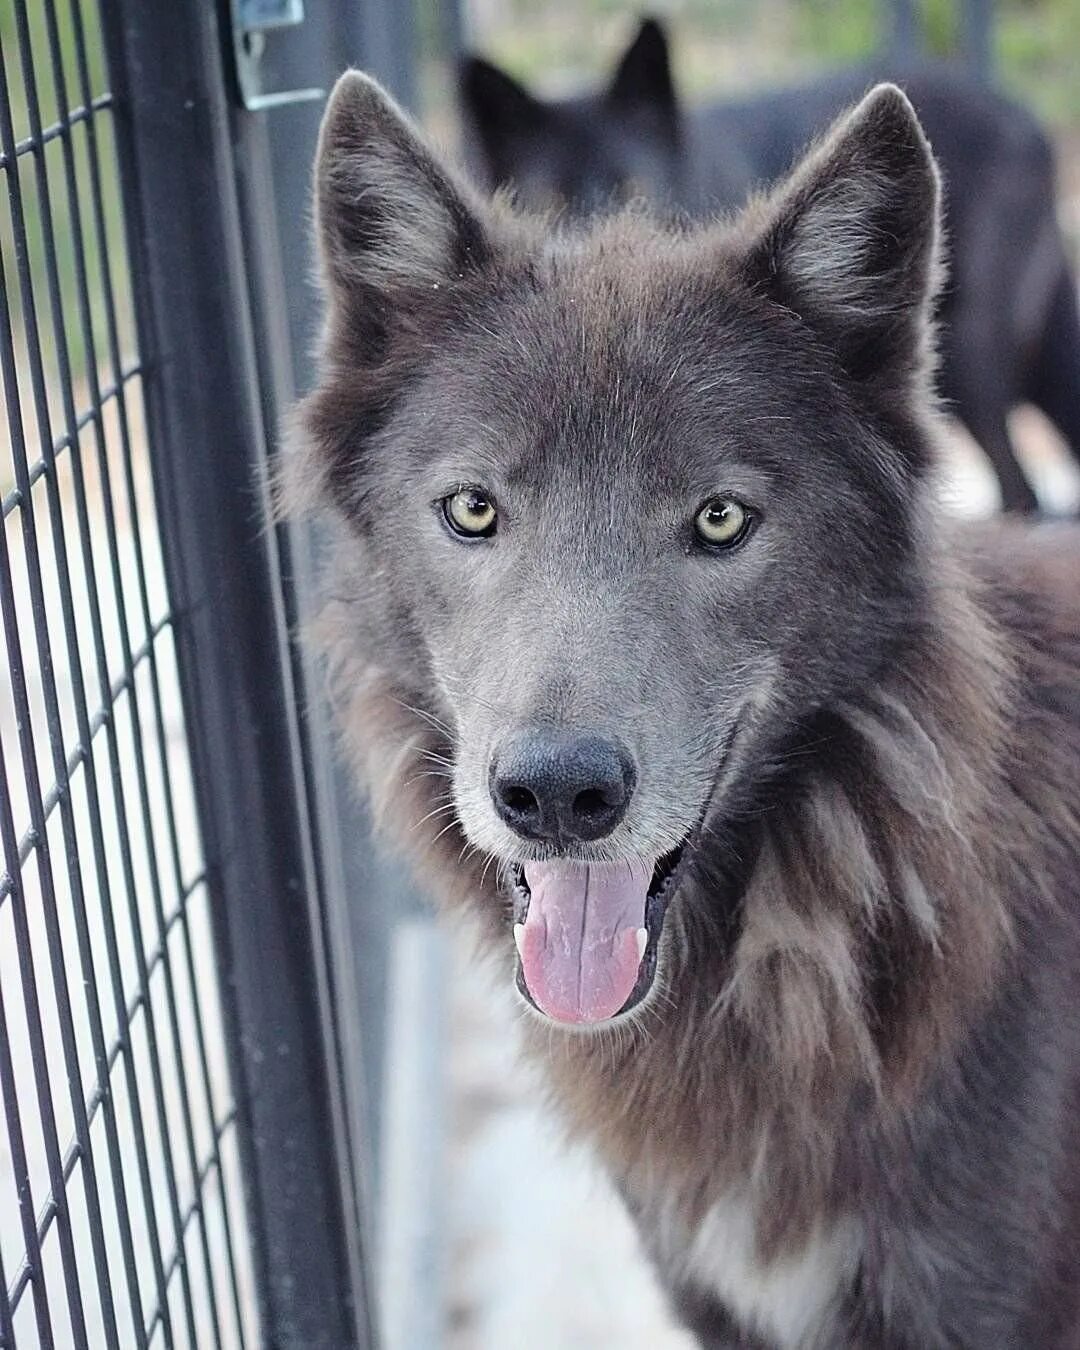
(789, 1302)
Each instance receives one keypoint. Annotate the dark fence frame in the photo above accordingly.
(186, 152)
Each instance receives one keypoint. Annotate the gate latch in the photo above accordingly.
(252, 20)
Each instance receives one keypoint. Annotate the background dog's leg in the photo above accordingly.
(1055, 376)
(983, 409)
(990, 429)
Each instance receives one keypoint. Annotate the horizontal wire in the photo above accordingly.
(38, 470)
(212, 1162)
(57, 129)
(49, 1210)
(51, 799)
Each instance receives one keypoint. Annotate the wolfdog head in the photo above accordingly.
(622, 510)
(594, 150)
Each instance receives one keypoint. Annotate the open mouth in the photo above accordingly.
(588, 934)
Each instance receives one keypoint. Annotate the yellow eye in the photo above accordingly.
(722, 522)
(471, 513)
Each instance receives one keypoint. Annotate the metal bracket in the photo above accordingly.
(252, 20)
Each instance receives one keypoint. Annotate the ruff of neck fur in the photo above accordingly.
(834, 982)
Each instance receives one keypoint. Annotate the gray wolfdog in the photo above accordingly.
(1010, 329)
(762, 780)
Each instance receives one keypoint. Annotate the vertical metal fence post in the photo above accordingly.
(904, 36)
(177, 146)
(367, 894)
(977, 37)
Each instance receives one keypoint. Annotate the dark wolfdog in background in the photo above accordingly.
(1010, 325)
(761, 780)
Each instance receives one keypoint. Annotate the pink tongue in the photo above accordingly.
(579, 949)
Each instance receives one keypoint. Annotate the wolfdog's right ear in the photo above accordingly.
(390, 218)
(850, 240)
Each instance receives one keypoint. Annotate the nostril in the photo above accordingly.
(520, 800)
(590, 803)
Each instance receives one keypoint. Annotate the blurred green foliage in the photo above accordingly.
(719, 45)
(736, 44)
(1036, 44)
(1038, 51)
(43, 83)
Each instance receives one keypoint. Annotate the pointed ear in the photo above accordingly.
(850, 241)
(642, 80)
(390, 217)
(494, 101)
(501, 115)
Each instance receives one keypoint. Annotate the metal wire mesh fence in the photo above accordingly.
(121, 1216)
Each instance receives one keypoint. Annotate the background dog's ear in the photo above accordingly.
(501, 114)
(496, 100)
(642, 79)
(390, 217)
(850, 241)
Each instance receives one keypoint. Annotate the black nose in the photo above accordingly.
(560, 786)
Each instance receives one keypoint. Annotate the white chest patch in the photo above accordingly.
(788, 1302)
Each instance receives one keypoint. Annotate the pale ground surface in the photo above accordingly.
(542, 1255)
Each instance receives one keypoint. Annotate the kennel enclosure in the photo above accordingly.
(186, 1061)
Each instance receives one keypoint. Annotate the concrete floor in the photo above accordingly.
(542, 1254)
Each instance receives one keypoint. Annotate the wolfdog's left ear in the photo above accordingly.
(390, 217)
(850, 240)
